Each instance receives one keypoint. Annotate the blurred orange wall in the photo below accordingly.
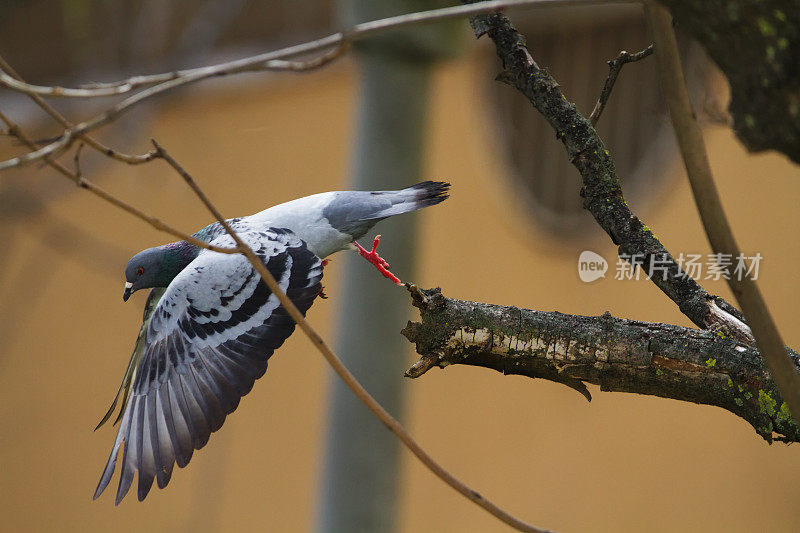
(623, 462)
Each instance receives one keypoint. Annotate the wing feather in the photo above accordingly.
(129, 457)
(206, 397)
(183, 423)
(147, 467)
(237, 368)
(168, 444)
(229, 371)
(225, 393)
(163, 456)
(201, 428)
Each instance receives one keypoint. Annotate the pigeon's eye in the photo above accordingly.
(140, 271)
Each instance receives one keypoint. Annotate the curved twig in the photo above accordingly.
(388, 420)
(614, 68)
(712, 214)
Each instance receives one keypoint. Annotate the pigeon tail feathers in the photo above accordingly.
(417, 196)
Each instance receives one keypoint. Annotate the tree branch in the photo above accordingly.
(618, 355)
(693, 150)
(601, 191)
(614, 68)
(388, 420)
(116, 88)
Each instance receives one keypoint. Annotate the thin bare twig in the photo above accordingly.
(94, 143)
(77, 160)
(255, 63)
(117, 88)
(390, 422)
(695, 158)
(15, 131)
(614, 68)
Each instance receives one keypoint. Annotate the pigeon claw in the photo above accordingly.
(379, 262)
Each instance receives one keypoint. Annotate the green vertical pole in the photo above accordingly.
(360, 489)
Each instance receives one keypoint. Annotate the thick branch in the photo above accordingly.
(601, 191)
(617, 354)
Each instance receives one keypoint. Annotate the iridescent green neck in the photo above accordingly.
(174, 258)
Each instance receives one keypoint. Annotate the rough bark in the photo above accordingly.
(757, 46)
(601, 191)
(617, 354)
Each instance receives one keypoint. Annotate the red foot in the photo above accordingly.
(378, 261)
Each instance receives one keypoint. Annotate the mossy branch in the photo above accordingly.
(617, 354)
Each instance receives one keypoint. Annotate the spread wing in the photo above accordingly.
(207, 341)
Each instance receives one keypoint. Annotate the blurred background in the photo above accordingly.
(299, 454)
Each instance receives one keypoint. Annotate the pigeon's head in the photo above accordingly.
(142, 271)
(156, 267)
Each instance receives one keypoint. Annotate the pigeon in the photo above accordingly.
(210, 323)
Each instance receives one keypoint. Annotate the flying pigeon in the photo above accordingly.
(210, 323)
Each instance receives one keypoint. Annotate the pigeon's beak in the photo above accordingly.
(127, 292)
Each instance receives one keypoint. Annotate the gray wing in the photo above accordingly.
(355, 212)
(208, 340)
